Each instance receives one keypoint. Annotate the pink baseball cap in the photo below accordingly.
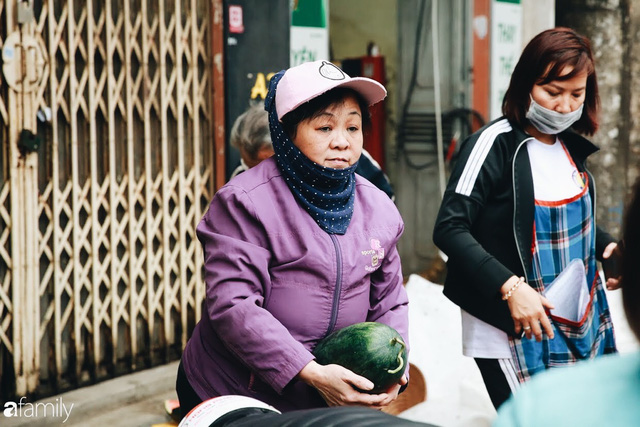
(306, 81)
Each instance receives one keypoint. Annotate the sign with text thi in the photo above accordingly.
(506, 46)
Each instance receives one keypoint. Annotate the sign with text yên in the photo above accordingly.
(309, 31)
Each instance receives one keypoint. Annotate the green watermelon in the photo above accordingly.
(370, 349)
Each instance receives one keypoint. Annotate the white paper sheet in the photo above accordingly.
(569, 292)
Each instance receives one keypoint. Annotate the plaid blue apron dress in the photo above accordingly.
(565, 231)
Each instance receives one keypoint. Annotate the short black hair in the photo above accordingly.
(317, 105)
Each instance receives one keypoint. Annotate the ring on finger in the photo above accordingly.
(526, 328)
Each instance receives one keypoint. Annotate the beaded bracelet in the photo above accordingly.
(513, 289)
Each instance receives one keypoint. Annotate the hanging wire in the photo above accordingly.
(412, 84)
(444, 121)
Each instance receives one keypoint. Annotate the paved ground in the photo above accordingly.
(134, 400)
(148, 412)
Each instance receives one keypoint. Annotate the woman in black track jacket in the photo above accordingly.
(519, 209)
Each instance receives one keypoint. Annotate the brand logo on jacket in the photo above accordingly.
(376, 253)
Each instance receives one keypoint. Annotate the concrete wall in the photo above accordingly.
(632, 164)
(416, 159)
(612, 26)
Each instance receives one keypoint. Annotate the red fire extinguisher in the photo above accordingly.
(372, 66)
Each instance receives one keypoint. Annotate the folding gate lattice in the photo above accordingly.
(100, 269)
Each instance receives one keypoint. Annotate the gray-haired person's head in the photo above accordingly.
(250, 135)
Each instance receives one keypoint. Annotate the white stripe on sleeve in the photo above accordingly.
(478, 155)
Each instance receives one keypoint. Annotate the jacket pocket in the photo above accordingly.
(258, 386)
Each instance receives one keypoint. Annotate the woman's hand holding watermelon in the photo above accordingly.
(338, 386)
(394, 390)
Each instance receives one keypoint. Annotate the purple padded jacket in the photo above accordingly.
(276, 284)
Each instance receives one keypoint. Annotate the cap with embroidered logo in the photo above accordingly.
(306, 81)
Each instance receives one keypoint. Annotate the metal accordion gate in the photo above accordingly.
(108, 136)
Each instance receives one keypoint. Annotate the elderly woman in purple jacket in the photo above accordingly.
(296, 248)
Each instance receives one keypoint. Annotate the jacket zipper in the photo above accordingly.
(593, 207)
(513, 183)
(338, 288)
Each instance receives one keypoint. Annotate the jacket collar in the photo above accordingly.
(579, 146)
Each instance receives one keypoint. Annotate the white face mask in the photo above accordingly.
(551, 122)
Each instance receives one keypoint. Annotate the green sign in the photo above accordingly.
(309, 13)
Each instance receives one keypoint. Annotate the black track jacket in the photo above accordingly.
(485, 222)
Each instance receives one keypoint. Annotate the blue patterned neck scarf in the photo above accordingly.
(327, 194)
